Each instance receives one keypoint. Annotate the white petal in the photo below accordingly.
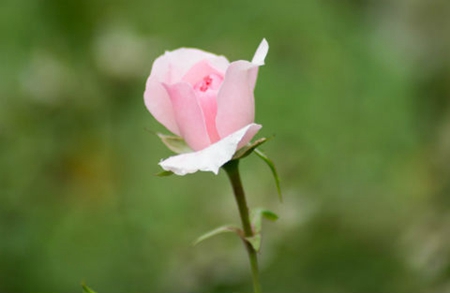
(261, 53)
(210, 158)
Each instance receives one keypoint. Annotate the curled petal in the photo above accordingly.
(220, 63)
(181, 60)
(235, 100)
(210, 158)
(160, 68)
(199, 71)
(249, 135)
(188, 115)
(261, 52)
(158, 102)
(258, 59)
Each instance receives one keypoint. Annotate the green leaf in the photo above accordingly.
(256, 219)
(175, 143)
(86, 289)
(274, 171)
(220, 230)
(248, 149)
(164, 173)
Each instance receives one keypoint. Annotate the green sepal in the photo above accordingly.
(256, 219)
(248, 149)
(174, 143)
(255, 241)
(164, 173)
(220, 230)
(86, 289)
(273, 169)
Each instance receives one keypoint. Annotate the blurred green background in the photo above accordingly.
(356, 92)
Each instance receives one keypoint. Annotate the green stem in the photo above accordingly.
(232, 169)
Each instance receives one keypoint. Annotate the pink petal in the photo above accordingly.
(220, 63)
(160, 68)
(158, 103)
(261, 53)
(258, 59)
(235, 101)
(188, 115)
(199, 71)
(182, 60)
(210, 158)
(208, 105)
(206, 99)
(249, 135)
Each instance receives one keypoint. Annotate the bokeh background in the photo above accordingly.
(356, 93)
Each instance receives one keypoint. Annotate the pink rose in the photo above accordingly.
(207, 101)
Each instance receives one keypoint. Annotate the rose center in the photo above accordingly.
(209, 82)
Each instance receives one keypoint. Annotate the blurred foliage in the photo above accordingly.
(357, 93)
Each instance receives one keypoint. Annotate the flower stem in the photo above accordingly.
(232, 169)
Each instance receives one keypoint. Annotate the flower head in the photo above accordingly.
(207, 101)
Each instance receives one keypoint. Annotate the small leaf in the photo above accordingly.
(220, 230)
(256, 219)
(269, 215)
(164, 173)
(86, 289)
(274, 171)
(175, 143)
(248, 149)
